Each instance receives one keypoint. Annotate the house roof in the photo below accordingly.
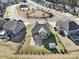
(38, 26)
(42, 29)
(2, 21)
(68, 25)
(13, 26)
(1, 7)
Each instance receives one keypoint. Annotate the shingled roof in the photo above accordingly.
(38, 26)
(13, 26)
(68, 25)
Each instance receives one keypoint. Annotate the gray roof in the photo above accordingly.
(73, 25)
(68, 25)
(38, 26)
(1, 22)
(13, 26)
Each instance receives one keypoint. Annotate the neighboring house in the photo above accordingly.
(75, 11)
(15, 31)
(12, 30)
(1, 10)
(69, 28)
(2, 22)
(39, 32)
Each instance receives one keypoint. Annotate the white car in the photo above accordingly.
(2, 33)
(24, 7)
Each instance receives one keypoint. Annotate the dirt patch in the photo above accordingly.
(33, 13)
(20, 13)
(39, 14)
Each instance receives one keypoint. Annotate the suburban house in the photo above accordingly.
(15, 31)
(12, 30)
(24, 7)
(39, 32)
(69, 28)
(42, 34)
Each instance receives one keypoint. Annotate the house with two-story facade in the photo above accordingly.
(42, 35)
(39, 32)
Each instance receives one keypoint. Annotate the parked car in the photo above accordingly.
(24, 7)
(15, 31)
(2, 33)
(69, 28)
